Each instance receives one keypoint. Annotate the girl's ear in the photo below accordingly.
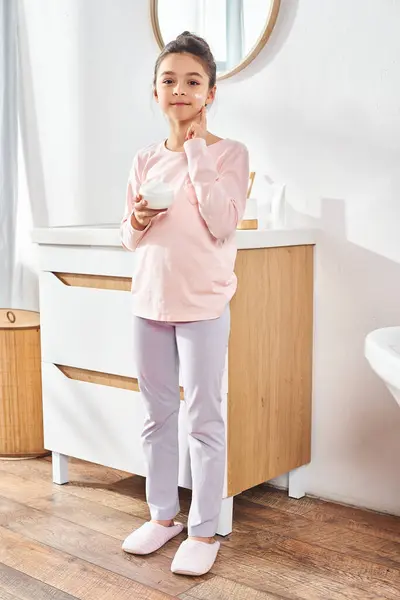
(155, 94)
(211, 96)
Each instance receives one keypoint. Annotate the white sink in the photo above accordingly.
(382, 350)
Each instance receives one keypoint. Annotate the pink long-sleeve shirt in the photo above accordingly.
(185, 258)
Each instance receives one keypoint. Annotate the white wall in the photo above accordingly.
(320, 111)
(87, 103)
(323, 116)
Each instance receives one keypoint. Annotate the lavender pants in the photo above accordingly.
(199, 348)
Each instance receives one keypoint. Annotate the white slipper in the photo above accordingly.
(194, 558)
(150, 537)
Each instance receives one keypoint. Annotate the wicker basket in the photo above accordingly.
(21, 414)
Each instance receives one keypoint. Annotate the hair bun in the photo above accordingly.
(185, 36)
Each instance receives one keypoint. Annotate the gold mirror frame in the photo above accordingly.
(258, 46)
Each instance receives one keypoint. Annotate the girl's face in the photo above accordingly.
(182, 87)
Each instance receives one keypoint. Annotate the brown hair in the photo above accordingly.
(190, 43)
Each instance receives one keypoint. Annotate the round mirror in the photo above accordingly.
(236, 30)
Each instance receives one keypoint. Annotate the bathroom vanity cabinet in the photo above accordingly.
(91, 399)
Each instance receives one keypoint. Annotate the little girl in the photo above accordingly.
(183, 283)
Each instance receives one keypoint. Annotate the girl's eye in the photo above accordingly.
(193, 83)
(167, 81)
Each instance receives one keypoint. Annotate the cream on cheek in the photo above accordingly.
(200, 99)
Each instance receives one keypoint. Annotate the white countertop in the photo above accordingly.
(108, 235)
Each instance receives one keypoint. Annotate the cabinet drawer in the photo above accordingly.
(87, 327)
(100, 424)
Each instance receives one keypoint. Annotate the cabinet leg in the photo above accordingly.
(225, 517)
(296, 483)
(60, 468)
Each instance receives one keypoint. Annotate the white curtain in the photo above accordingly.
(8, 148)
(25, 289)
(18, 272)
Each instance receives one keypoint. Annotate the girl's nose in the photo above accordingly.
(178, 91)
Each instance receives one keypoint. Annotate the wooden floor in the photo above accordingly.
(64, 542)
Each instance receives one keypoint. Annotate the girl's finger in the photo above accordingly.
(141, 203)
(151, 212)
(190, 132)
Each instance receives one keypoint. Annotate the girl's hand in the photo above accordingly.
(198, 129)
(142, 215)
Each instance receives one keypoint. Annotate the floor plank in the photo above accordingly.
(322, 534)
(291, 579)
(219, 588)
(7, 595)
(95, 548)
(94, 515)
(356, 519)
(86, 482)
(18, 488)
(281, 549)
(15, 585)
(345, 568)
(69, 574)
